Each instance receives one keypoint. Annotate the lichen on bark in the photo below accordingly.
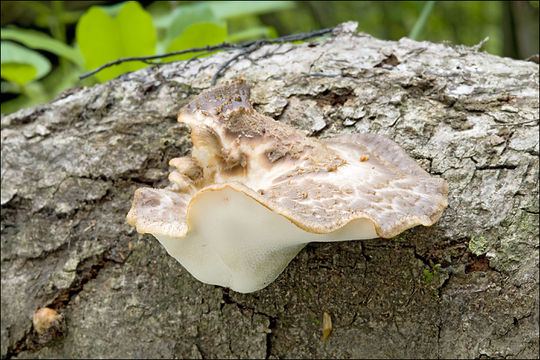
(70, 167)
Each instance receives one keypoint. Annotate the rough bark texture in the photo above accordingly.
(463, 288)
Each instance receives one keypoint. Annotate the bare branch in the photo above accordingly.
(248, 47)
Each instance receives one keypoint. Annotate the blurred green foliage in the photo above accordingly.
(21, 65)
(46, 45)
(103, 38)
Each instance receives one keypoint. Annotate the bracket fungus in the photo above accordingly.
(255, 191)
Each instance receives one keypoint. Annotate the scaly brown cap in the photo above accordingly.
(320, 185)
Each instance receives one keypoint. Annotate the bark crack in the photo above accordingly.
(226, 299)
(497, 167)
(439, 328)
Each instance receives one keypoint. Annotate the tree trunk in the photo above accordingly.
(465, 287)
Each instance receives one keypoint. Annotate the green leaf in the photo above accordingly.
(59, 79)
(229, 9)
(255, 33)
(18, 73)
(22, 65)
(161, 12)
(197, 35)
(186, 16)
(173, 23)
(10, 106)
(113, 10)
(181, 18)
(32, 94)
(189, 15)
(10, 87)
(38, 40)
(102, 39)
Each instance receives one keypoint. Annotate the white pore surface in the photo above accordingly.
(235, 242)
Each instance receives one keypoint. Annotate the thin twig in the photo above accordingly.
(249, 47)
(152, 57)
(478, 46)
(224, 65)
(193, 58)
(231, 60)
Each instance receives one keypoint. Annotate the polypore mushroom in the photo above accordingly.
(255, 191)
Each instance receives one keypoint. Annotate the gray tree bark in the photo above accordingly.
(465, 287)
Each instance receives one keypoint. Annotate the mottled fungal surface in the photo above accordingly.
(255, 191)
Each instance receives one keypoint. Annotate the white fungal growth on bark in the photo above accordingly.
(255, 191)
